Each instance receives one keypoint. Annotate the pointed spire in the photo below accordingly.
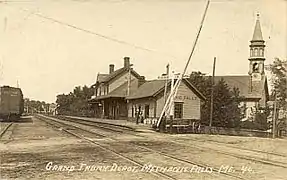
(257, 35)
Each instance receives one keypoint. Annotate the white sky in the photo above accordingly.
(49, 58)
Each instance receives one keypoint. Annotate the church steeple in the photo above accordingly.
(257, 35)
(257, 46)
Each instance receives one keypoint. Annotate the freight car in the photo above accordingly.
(11, 103)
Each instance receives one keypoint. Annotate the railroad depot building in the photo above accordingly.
(123, 93)
(109, 100)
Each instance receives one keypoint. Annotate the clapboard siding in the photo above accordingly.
(159, 106)
(191, 102)
(119, 81)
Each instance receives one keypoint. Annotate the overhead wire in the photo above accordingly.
(93, 32)
(177, 83)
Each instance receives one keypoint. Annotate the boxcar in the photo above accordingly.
(11, 103)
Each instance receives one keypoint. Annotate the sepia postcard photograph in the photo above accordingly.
(143, 89)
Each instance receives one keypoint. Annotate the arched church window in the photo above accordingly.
(255, 67)
(251, 52)
(256, 52)
(261, 52)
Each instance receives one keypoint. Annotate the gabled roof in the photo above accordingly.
(154, 87)
(148, 89)
(101, 77)
(119, 92)
(243, 83)
(115, 74)
(104, 78)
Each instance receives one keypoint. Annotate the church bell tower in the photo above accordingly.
(256, 58)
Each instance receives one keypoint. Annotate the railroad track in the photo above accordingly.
(103, 123)
(172, 157)
(46, 119)
(64, 126)
(5, 129)
(246, 157)
(249, 158)
(106, 126)
(237, 147)
(258, 160)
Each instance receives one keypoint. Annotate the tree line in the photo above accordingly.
(279, 92)
(76, 102)
(35, 106)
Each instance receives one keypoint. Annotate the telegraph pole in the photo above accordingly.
(171, 113)
(211, 97)
(163, 124)
(274, 116)
(129, 79)
(166, 82)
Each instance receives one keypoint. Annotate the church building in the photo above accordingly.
(253, 87)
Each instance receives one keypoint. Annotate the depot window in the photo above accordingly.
(178, 110)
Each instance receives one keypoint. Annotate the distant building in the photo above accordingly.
(253, 87)
(52, 109)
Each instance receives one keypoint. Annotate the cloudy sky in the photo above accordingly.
(52, 46)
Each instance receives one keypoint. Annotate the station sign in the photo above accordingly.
(176, 76)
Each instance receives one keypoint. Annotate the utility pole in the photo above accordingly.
(163, 124)
(211, 97)
(166, 82)
(274, 117)
(128, 91)
(171, 112)
(129, 80)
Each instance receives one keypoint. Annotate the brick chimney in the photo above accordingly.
(112, 68)
(126, 62)
(141, 81)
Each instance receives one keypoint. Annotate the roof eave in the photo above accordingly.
(140, 97)
(199, 94)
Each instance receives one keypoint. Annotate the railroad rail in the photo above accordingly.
(64, 126)
(250, 158)
(98, 122)
(259, 160)
(5, 129)
(180, 160)
(114, 128)
(157, 174)
(242, 148)
(102, 125)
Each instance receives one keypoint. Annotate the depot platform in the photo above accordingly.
(125, 123)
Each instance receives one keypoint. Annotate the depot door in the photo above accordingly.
(146, 111)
